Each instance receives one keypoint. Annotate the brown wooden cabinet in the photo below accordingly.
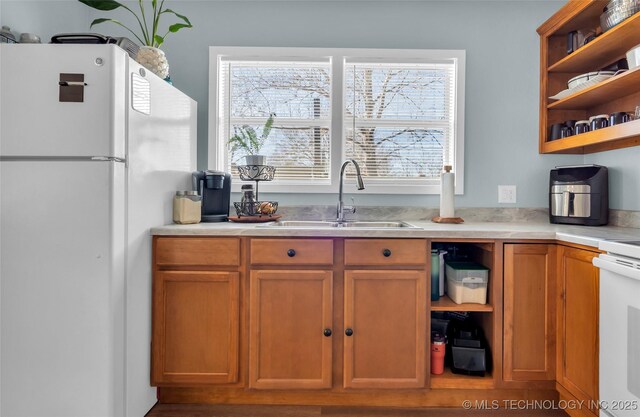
(195, 327)
(617, 94)
(291, 311)
(385, 252)
(191, 252)
(346, 322)
(578, 347)
(385, 329)
(529, 312)
(291, 325)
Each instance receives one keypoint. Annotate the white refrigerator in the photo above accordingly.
(92, 149)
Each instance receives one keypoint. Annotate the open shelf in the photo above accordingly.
(617, 94)
(483, 316)
(603, 50)
(625, 134)
(612, 89)
(446, 304)
(450, 380)
(584, 13)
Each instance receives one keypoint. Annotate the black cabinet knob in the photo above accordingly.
(291, 253)
(386, 253)
(327, 332)
(348, 332)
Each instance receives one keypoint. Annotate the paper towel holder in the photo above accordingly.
(451, 220)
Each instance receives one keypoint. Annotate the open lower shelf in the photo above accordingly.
(450, 380)
(627, 134)
(603, 50)
(614, 88)
(446, 304)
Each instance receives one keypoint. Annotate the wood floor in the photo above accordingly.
(198, 410)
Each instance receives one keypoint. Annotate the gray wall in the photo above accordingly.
(624, 176)
(44, 18)
(501, 77)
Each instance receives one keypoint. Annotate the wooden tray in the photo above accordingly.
(254, 219)
(452, 220)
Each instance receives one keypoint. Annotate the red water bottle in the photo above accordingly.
(437, 354)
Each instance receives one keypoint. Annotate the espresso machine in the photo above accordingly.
(215, 189)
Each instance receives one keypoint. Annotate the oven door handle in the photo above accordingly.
(617, 268)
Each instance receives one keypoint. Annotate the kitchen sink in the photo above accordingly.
(348, 224)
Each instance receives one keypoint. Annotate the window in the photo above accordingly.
(402, 119)
(399, 113)
(297, 93)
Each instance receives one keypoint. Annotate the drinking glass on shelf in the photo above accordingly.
(636, 115)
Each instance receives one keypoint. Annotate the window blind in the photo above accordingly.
(399, 119)
(298, 93)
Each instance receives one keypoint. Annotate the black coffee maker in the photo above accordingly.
(215, 189)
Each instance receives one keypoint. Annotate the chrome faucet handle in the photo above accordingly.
(348, 209)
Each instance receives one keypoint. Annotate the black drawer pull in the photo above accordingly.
(291, 253)
(386, 253)
(327, 332)
(348, 332)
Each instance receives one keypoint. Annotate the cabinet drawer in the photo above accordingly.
(292, 251)
(197, 251)
(385, 252)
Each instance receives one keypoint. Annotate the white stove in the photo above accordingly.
(619, 328)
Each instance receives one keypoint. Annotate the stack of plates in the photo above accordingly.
(584, 81)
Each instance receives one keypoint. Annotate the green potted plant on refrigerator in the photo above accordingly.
(150, 55)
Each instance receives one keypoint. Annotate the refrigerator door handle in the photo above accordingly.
(72, 84)
(108, 159)
(62, 158)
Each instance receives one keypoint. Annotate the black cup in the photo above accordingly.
(581, 128)
(618, 118)
(599, 123)
(556, 131)
(566, 131)
(571, 123)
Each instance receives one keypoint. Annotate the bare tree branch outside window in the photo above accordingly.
(397, 118)
(299, 95)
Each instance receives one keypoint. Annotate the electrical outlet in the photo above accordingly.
(506, 194)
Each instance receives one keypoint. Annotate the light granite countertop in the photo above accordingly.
(589, 236)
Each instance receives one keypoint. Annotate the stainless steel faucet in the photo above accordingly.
(360, 184)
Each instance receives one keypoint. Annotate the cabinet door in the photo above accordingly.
(385, 329)
(529, 312)
(578, 323)
(290, 329)
(196, 326)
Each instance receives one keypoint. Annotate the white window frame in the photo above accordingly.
(337, 132)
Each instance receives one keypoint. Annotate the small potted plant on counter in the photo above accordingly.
(247, 140)
(150, 55)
